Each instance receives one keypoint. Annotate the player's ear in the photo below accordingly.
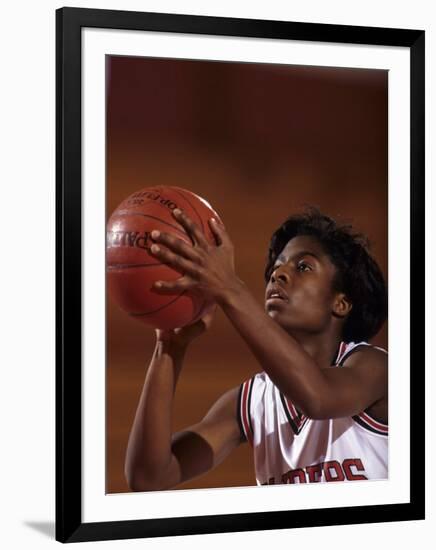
(341, 305)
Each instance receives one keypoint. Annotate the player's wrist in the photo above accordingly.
(173, 346)
(230, 295)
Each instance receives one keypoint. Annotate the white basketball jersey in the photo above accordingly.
(291, 448)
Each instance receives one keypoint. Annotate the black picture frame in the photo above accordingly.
(69, 22)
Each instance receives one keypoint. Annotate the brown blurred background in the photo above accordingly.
(258, 142)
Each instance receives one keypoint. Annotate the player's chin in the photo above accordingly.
(274, 311)
(279, 318)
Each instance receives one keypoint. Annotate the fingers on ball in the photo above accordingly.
(191, 227)
(175, 244)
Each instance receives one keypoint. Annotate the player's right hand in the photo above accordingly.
(184, 335)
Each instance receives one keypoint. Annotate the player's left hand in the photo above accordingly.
(208, 268)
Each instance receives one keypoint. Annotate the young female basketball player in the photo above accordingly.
(318, 410)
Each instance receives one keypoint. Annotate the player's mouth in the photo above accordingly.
(276, 295)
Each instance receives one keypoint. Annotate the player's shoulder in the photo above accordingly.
(363, 353)
(257, 389)
(258, 380)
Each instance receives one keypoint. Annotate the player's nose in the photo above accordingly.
(280, 274)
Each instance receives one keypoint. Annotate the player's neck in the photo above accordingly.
(322, 348)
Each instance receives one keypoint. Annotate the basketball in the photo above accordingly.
(132, 270)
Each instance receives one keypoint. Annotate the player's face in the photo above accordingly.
(300, 294)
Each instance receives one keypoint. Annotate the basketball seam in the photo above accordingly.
(159, 308)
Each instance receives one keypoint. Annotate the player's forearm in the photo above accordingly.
(149, 453)
(288, 365)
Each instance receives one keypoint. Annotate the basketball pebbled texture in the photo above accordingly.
(132, 270)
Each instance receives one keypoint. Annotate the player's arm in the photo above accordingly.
(203, 446)
(155, 458)
(317, 392)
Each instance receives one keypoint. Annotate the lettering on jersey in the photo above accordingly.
(331, 470)
(294, 476)
(350, 466)
(314, 473)
(129, 238)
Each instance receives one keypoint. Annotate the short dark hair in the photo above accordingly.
(358, 274)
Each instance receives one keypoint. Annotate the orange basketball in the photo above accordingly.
(132, 270)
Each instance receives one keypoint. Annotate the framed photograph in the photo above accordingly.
(282, 166)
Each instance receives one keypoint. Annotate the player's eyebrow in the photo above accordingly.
(282, 258)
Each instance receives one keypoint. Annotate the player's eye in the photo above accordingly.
(304, 266)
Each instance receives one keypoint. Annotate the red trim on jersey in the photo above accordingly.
(294, 413)
(245, 413)
(296, 417)
(368, 423)
(374, 423)
(342, 348)
(363, 418)
(292, 410)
